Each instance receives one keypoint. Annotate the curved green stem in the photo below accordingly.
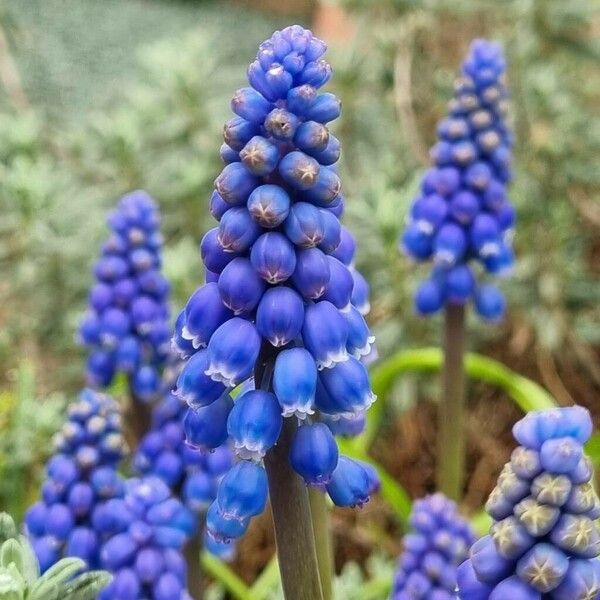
(224, 574)
(323, 539)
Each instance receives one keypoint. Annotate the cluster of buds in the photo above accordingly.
(462, 215)
(544, 543)
(126, 326)
(281, 290)
(147, 529)
(192, 474)
(81, 479)
(439, 543)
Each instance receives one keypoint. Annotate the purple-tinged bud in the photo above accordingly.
(489, 566)
(314, 454)
(514, 588)
(232, 352)
(469, 587)
(258, 79)
(237, 230)
(299, 99)
(254, 424)
(350, 484)
(332, 232)
(478, 176)
(167, 587)
(577, 535)
(101, 296)
(311, 275)
(295, 382)
(326, 107)
(269, 205)
(250, 105)
(325, 334)
(128, 354)
(214, 257)
(83, 543)
(204, 313)
(484, 235)
(235, 183)
(194, 386)
(243, 491)
(240, 286)
(581, 582)
(489, 302)
(340, 285)
(281, 124)
(259, 155)
(326, 190)
(299, 170)
(278, 80)
(273, 257)
(304, 225)
(511, 538)
(280, 315)
(228, 155)
(237, 132)
(560, 455)
(429, 212)
(331, 154)
(543, 567)
(311, 137)
(198, 490)
(551, 489)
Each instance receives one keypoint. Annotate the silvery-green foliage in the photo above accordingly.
(20, 573)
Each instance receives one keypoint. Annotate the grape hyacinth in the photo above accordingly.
(81, 480)
(439, 543)
(462, 214)
(126, 327)
(191, 474)
(544, 543)
(147, 530)
(282, 298)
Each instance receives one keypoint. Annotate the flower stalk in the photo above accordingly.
(323, 540)
(451, 441)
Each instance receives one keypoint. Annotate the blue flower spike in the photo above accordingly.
(544, 543)
(143, 549)
(462, 219)
(438, 544)
(81, 479)
(281, 282)
(126, 328)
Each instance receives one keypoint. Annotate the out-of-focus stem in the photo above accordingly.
(192, 550)
(294, 536)
(138, 417)
(451, 449)
(323, 541)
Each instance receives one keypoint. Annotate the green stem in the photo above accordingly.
(323, 539)
(138, 417)
(294, 537)
(451, 411)
(225, 575)
(191, 552)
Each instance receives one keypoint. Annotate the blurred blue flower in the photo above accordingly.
(545, 541)
(438, 544)
(81, 478)
(462, 215)
(143, 546)
(126, 327)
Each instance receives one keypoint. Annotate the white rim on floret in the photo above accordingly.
(300, 411)
(221, 374)
(333, 358)
(250, 451)
(358, 353)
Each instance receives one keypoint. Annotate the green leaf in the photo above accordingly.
(593, 448)
(10, 553)
(8, 529)
(12, 585)
(527, 394)
(44, 590)
(86, 586)
(266, 581)
(64, 570)
(223, 574)
(31, 567)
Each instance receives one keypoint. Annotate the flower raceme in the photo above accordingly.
(126, 326)
(146, 531)
(462, 215)
(438, 544)
(190, 473)
(544, 543)
(81, 480)
(280, 284)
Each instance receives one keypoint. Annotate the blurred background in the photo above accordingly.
(98, 98)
